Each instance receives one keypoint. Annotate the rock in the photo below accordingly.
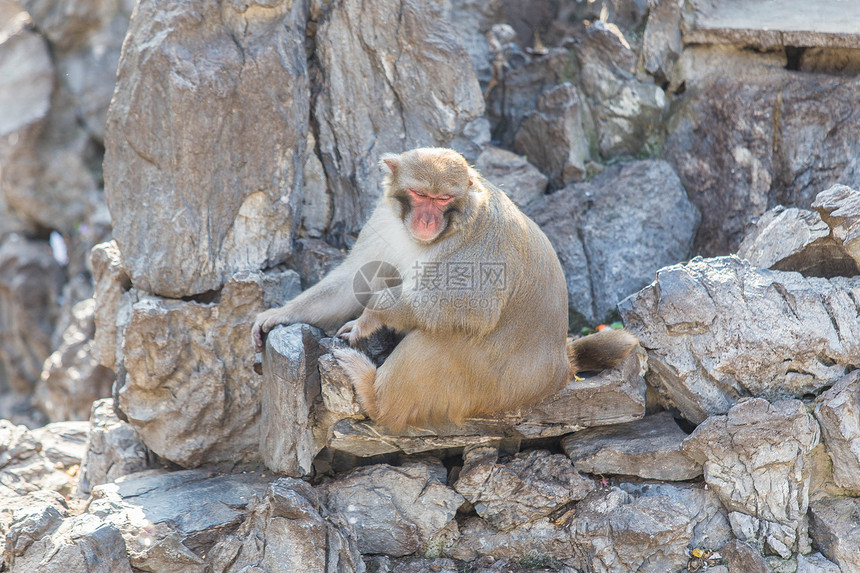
(718, 329)
(369, 55)
(795, 24)
(833, 528)
(839, 207)
(26, 468)
(513, 174)
(649, 448)
(30, 283)
(661, 43)
(290, 386)
(113, 449)
(553, 137)
(81, 544)
(615, 231)
(625, 110)
(711, 527)
(316, 200)
(171, 520)
(613, 396)
(395, 510)
(771, 138)
(194, 85)
(474, 19)
(190, 391)
(816, 563)
(838, 412)
(540, 538)
(289, 531)
(610, 532)
(313, 259)
(111, 282)
(72, 378)
(519, 80)
(792, 239)
(530, 486)
(741, 557)
(63, 443)
(753, 446)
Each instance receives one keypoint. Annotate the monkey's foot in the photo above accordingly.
(362, 373)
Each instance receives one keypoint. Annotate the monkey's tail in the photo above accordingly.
(604, 349)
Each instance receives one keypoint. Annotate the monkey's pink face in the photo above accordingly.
(427, 220)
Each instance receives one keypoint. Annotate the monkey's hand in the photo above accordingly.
(266, 321)
(361, 327)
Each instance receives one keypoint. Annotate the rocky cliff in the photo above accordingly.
(168, 170)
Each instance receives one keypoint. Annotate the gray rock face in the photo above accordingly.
(25, 468)
(753, 446)
(370, 55)
(625, 110)
(113, 450)
(839, 206)
(838, 412)
(519, 179)
(661, 42)
(72, 377)
(289, 531)
(833, 527)
(708, 517)
(194, 85)
(718, 329)
(613, 232)
(81, 544)
(772, 137)
(395, 510)
(792, 239)
(111, 282)
(30, 286)
(290, 385)
(610, 528)
(528, 487)
(553, 136)
(648, 448)
(189, 390)
(169, 521)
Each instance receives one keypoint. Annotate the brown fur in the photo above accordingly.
(488, 347)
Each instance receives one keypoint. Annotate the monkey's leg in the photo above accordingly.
(362, 373)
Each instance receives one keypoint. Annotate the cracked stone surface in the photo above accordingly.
(718, 329)
(395, 510)
(194, 85)
(756, 458)
(529, 486)
(838, 412)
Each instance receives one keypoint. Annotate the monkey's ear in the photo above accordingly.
(391, 160)
(470, 181)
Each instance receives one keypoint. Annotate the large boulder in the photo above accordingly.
(744, 452)
(614, 232)
(188, 385)
(370, 55)
(289, 530)
(395, 510)
(838, 412)
(748, 134)
(196, 189)
(719, 329)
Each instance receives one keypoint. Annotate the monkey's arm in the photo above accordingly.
(331, 302)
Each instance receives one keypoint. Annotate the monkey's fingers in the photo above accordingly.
(345, 331)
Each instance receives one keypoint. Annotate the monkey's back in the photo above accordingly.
(526, 352)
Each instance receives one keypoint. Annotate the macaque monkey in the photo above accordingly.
(477, 289)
